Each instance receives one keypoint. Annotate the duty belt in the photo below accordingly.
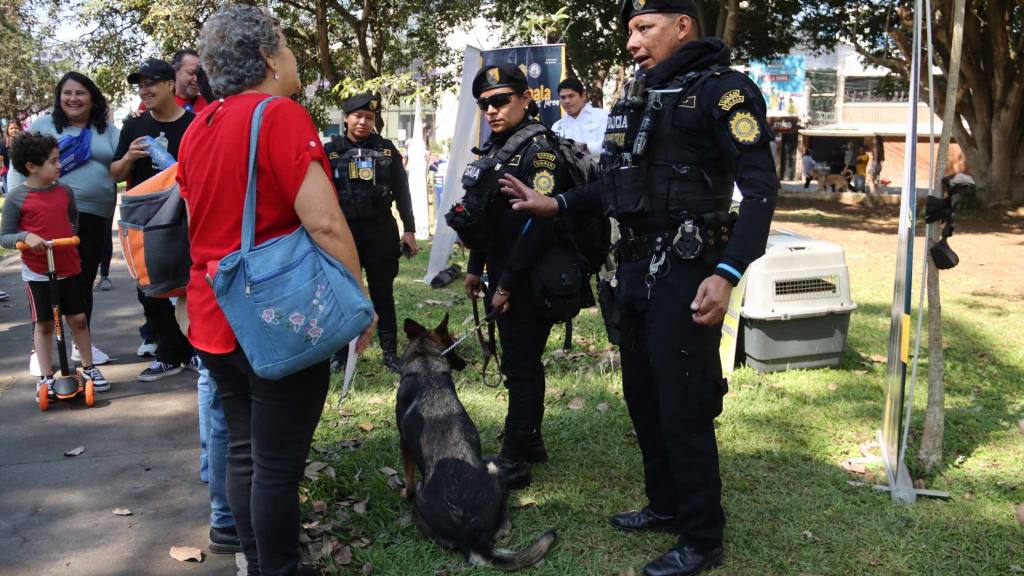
(698, 235)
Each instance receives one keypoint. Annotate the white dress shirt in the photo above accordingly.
(587, 128)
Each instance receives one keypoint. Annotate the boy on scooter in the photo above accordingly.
(38, 210)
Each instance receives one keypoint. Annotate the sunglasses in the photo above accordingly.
(499, 101)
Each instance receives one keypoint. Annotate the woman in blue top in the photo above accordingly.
(87, 144)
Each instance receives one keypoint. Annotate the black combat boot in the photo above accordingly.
(534, 450)
(389, 347)
(512, 461)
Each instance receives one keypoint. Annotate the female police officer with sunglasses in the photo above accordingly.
(509, 245)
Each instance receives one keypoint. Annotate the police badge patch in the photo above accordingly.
(743, 127)
(639, 4)
(494, 76)
(544, 182)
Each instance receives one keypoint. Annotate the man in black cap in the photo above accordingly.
(369, 177)
(510, 246)
(165, 122)
(684, 130)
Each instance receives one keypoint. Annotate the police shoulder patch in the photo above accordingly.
(744, 128)
(544, 182)
(731, 99)
(333, 156)
(546, 156)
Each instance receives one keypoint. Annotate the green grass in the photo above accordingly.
(791, 508)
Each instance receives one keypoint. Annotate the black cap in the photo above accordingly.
(571, 84)
(500, 76)
(366, 100)
(631, 8)
(152, 69)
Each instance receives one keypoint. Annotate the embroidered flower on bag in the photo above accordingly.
(314, 333)
(271, 316)
(297, 320)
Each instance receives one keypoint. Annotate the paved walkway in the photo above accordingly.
(141, 453)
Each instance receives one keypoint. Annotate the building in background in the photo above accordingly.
(833, 104)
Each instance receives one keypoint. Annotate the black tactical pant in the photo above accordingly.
(380, 281)
(672, 383)
(524, 335)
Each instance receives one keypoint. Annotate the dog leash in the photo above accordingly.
(487, 345)
(470, 332)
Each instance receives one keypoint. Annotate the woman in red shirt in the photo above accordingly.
(270, 423)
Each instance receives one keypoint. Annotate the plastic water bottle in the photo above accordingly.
(158, 153)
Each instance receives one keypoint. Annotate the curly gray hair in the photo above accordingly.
(233, 46)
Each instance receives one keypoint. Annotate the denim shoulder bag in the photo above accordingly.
(289, 303)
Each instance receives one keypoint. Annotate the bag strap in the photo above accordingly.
(249, 211)
(517, 140)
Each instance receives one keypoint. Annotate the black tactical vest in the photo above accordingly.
(469, 218)
(661, 163)
(362, 177)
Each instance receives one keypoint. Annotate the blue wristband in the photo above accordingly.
(731, 270)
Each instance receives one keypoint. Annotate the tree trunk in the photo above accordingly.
(930, 454)
(732, 22)
(323, 38)
(597, 88)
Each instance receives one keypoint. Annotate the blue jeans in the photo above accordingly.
(213, 444)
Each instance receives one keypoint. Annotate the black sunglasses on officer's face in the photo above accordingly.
(499, 101)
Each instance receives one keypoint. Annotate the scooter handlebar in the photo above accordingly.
(72, 241)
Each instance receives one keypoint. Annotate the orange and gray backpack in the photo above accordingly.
(154, 235)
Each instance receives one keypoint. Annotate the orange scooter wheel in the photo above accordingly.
(90, 393)
(44, 399)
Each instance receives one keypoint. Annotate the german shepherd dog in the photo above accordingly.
(462, 502)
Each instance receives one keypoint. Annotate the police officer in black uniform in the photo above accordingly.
(369, 176)
(684, 130)
(509, 245)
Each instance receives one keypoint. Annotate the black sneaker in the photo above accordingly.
(158, 370)
(224, 540)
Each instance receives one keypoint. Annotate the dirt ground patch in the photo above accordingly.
(990, 243)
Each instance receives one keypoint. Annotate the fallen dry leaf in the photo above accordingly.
(319, 506)
(74, 452)
(366, 427)
(919, 484)
(603, 407)
(809, 536)
(313, 470)
(343, 556)
(376, 400)
(389, 471)
(1021, 425)
(122, 512)
(1017, 568)
(969, 496)
(368, 568)
(186, 554)
(524, 503)
(351, 443)
(1020, 513)
(556, 394)
(833, 387)
(854, 466)
(627, 572)
(344, 414)
(404, 520)
(360, 507)
(577, 403)
(878, 358)
(395, 483)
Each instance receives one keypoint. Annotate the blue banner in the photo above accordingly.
(544, 67)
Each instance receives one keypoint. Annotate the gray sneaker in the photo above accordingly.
(104, 284)
(99, 383)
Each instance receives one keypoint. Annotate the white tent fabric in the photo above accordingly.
(418, 175)
(466, 135)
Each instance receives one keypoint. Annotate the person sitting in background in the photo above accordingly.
(87, 141)
(270, 423)
(37, 210)
(582, 123)
(165, 122)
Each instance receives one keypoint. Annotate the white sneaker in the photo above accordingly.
(146, 350)
(33, 364)
(98, 357)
